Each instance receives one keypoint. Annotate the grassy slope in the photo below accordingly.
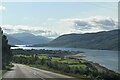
(69, 74)
(65, 60)
(102, 40)
(71, 62)
(7, 68)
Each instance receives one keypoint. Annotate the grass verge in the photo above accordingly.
(64, 73)
(7, 68)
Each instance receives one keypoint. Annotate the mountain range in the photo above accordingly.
(107, 40)
(26, 38)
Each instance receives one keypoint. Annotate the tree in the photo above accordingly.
(6, 52)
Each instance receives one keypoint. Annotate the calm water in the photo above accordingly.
(106, 58)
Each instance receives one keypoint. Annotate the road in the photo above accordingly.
(23, 72)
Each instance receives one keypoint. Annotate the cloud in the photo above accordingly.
(2, 8)
(92, 24)
(66, 26)
(10, 29)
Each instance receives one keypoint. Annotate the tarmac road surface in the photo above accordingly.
(23, 72)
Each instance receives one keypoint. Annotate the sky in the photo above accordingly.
(52, 19)
(60, 0)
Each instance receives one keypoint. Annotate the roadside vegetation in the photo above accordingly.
(78, 68)
(7, 68)
(6, 53)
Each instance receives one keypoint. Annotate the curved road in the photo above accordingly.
(24, 72)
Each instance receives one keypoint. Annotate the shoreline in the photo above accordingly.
(71, 47)
(95, 63)
(104, 68)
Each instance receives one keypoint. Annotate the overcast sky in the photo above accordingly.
(52, 19)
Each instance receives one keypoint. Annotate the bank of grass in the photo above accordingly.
(3, 72)
(43, 57)
(7, 68)
(78, 65)
(77, 68)
(74, 62)
(55, 58)
(71, 62)
(20, 55)
(66, 60)
(64, 73)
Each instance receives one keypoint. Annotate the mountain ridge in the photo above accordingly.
(26, 38)
(107, 40)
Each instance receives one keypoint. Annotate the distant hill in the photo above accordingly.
(101, 40)
(26, 38)
(12, 40)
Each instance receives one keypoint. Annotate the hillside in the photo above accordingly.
(101, 40)
(26, 38)
(13, 40)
